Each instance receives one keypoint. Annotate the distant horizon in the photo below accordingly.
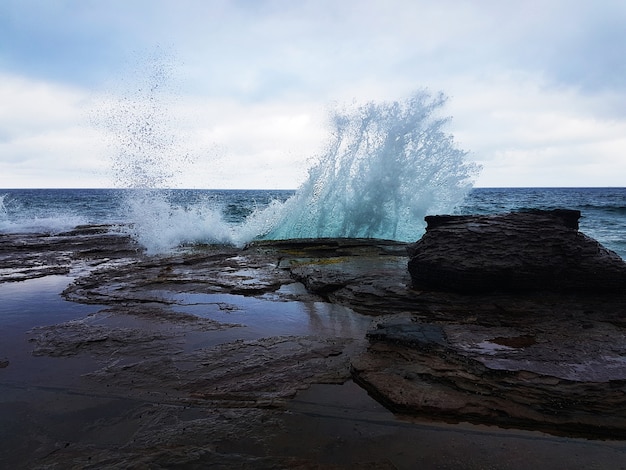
(288, 189)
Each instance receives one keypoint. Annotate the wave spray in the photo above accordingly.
(147, 154)
(387, 165)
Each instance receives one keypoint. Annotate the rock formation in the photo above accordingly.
(517, 320)
(521, 251)
(197, 357)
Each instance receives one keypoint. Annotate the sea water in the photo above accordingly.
(57, 210)
(385, 167)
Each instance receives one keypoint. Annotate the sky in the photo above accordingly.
(536, 88)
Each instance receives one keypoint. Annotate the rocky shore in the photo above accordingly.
(264, 356)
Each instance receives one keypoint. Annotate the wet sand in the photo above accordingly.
(197, 362)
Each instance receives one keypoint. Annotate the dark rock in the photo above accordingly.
(26, 256)
(521, 251)
(502, 375)
(553, 361)
(409, 333)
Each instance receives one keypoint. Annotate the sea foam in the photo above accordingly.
(17, 219)
(386, 166)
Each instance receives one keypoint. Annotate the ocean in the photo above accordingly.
(164, 219)
(384, 168)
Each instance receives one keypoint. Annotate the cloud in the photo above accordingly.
(43, 137)
(265, 145)
(527, 133)
(536, 88)
(63, 137)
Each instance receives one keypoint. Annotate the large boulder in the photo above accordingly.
(519, 251)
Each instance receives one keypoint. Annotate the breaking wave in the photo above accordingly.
(386, 165)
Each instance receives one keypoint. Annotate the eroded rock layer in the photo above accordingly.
(538, 377)
(521, 251)
(200, 352)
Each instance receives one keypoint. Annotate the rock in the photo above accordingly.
(87, 336)
(535, 377)
(181, 343)
(520, 251)
(258, 373)
(26, 256)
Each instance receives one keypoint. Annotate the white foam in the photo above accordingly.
(21, 221)
(387, 166)
(159, 226)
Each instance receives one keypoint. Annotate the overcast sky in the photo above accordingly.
(537, 88)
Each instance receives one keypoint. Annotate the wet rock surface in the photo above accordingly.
(214, 356)
(539, 377)
(30, 255)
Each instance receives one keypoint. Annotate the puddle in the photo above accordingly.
(262, 318)
(27, 304)
(35, 302)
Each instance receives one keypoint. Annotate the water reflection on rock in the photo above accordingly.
(203, 357)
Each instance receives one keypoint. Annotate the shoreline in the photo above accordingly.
(151, 365)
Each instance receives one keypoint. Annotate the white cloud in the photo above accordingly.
(43, 139)
(523, 133)
(527, 133)
(535, 87)
(30, 106)
(47, 139)
(264, 145)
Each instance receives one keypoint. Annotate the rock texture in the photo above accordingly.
(518, 321)
(522, 251)
(193, 359)
(538, 377)
(26, 256)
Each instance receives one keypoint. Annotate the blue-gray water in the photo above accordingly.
(165, 219)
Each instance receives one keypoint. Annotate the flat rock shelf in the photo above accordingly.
(268, 356)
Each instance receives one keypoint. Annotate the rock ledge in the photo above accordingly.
(519, 251)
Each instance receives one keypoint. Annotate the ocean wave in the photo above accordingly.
(14, 218)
